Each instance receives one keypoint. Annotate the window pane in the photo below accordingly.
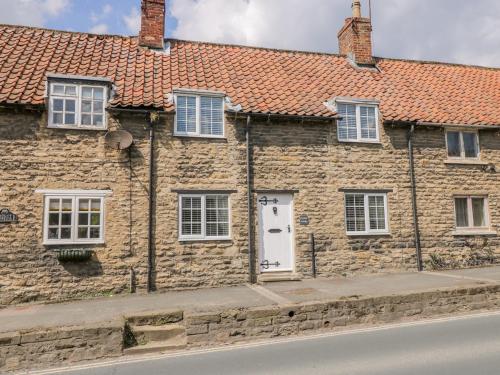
(57, 118)
(86, 119)
(57, 104)
(53, 219)
(69, 119)
(347, 126)
(368, 123)
(71, 90)
(66, 219)
(453, 142)
(376, 212)
(87, 92)
(86, 106)
(95, 219)
(83, 204)
(58, 89)
(98, 93)
(97, 120)
(223, 229)
(83, 219)
(186, 114)
(478, 212)
(70, 105)
(95, 233)
(83, 232)
(355, 212)
(470, 145)
(191, 215)
(54, 204)
(211, 115)
(96, 205)
(67, 205)
(65, 233)
(461, 216)
(98, 107)
(53, 233)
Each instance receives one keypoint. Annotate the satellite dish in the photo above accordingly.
(118, 139)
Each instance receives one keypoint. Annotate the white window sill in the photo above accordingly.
(374, 142)
(465, 162)
(204, 239)
(72, 243)
(66, 127)
(199, 136)
(474, 232)
(368, 234)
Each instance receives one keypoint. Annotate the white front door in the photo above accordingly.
(275, 232)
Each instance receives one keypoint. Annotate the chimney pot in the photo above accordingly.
(152, 34)
(356, 9)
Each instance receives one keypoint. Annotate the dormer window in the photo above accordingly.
(77, 105)
(359, 122)
(199, 115)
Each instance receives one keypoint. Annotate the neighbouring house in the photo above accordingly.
(139, 163)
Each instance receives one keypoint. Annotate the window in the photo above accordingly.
(359, 122)
(366, 213)
(77, 106)
(471, 212)
(73, 219)
(204, 217)
(198, 115)
(462, 145)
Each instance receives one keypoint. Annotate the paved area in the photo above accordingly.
(205, 300)
(458, 346)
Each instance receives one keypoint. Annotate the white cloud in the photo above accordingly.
(107, 9)
(100, 28)
(450, 30)
(104, 13)
(133, 21)
(31, 12)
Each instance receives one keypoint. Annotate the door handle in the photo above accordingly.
(289, 229)
(276, 230)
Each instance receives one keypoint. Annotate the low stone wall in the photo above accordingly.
(45, 348)
(38, 349)
(232, 326)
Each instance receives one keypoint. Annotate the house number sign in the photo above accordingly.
(7, 217)
(304, 220)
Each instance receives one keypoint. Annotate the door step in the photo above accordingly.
(155, 333)
(277, 277)
(156, 347)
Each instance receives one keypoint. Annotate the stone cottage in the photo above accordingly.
(139, 163)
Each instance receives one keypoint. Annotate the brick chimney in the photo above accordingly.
(355, 37)
(152, 33)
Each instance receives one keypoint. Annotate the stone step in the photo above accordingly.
(277, 277)
(157, 347)
(155, 318)
(148, 334)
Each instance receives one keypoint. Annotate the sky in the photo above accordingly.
(459, 31)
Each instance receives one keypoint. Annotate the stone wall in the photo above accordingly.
(437, 183)
(303, 157)
(49, 348)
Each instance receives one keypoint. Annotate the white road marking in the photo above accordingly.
(269, 294)
(461, 277)
(275, 341)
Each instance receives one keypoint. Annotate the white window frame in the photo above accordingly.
(470, 213)
(198, 133)
(462, 148)
(359, 139)
(203, 236)
(368, 231)
(74, 196)
(78, 105)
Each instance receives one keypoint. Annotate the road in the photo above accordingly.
(465, 345)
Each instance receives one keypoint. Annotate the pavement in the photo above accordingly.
(100, 310)
(456, 346)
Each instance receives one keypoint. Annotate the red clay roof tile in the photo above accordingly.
(260, 80)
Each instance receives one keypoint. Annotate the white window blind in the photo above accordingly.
(359, 122)
(366, 213)
(204, 217)
(199, 115)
